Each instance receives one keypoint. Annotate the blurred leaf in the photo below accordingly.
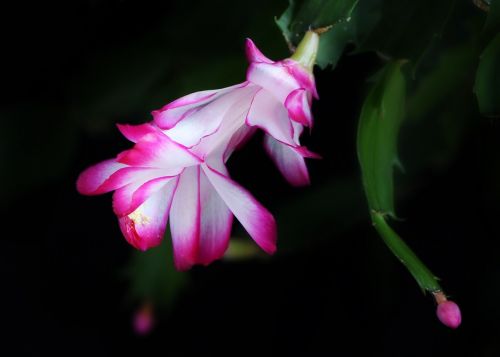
(391, 27)
(379, 124)
(407, 27)
(356, 27)
(242, 249)
(449, 74)
(492, 25)
(153, 276)
(487, 86)
(378, 129)
(300, 16)
(431, 119)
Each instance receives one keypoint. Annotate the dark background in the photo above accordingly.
(71, 71)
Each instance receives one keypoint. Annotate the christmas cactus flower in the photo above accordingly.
(276, 97)
(176, 168)
(159, 178)
(282, 105)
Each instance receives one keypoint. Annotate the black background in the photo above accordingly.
(61, 255)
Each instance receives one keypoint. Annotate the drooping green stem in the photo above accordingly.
(423, 276)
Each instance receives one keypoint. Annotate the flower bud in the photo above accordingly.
(449, 314)
(143, 321)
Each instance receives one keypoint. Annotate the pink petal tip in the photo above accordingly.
(449, 314)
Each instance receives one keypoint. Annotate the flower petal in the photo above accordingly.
(126, 199)
(208, 119)
(135, 132)
(216, 223)
(238, 140)
(298, 129)
(234, 119)
(185, 218)
(301, 75)
(254, 54)
(305, 152)
(268, 114)
(168, 116)
(91, 179)
(298, 107)
(158, 150)
(289, 162)
(256, 219)
(274, 78)
(144, 228)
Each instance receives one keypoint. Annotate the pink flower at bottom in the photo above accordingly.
(143, 320)
(449, 314)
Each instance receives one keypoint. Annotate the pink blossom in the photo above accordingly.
(449, 314)
(176, 168)
(159, 178)
(282, 106)
(276, 97)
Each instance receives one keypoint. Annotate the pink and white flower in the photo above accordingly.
(276, 97)
(176, 168)
(159, 178)
(282, 106)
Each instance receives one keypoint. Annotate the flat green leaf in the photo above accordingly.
(430, 118)
(378, 129)
(390, 27)
(492, 25)
(300, 16)
(379, 124)
(406, 27)
(487, 86)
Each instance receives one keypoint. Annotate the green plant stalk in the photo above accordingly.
(423, 276)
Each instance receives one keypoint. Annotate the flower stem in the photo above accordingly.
(423, 276)
(307, 50)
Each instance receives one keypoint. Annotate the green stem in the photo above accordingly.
(307, 50)
(423, 276)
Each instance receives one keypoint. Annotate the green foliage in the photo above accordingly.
(393, 28)
(424, 277)
(378, 130)
(406, 28)
(379, 124)
(430, 118)
(300, 16)
(487, 86)
(492, 25)
(353, 30)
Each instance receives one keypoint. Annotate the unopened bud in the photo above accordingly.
(143, 321)
(447, 311)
